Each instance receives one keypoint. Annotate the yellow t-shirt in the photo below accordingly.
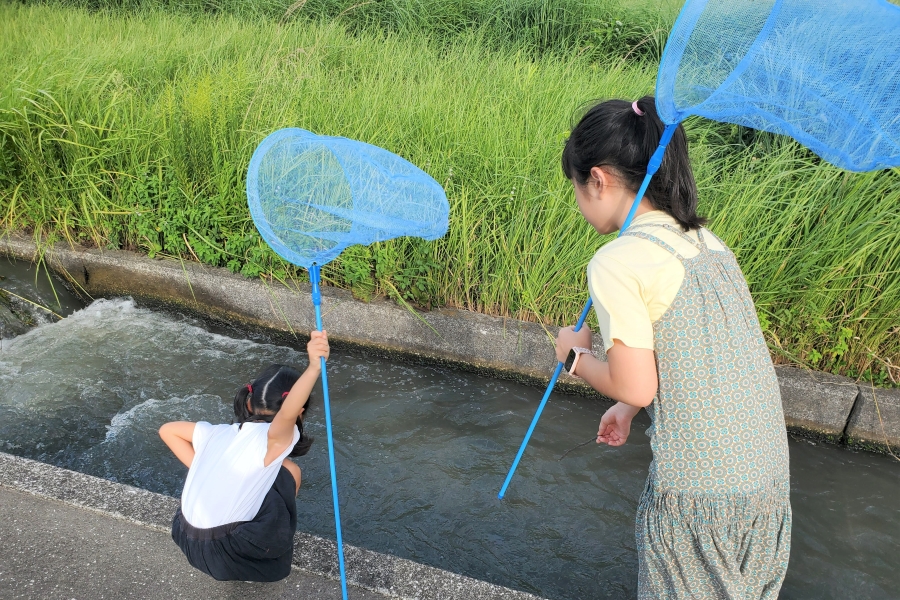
(633, 281)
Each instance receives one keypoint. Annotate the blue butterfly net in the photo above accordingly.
(825, 72)
(311, 196)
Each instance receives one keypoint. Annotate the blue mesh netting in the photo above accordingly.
(826, 73)
(311, 196)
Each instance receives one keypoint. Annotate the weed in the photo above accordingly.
(135, 132)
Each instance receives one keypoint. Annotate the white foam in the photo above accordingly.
(155, 412)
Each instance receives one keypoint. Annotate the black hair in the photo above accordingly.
(611, 134)
(266, 393)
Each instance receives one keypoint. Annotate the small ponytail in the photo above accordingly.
(241, 413)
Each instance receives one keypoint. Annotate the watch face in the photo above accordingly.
(570, 360)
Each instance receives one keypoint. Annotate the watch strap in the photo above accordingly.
(577, 354)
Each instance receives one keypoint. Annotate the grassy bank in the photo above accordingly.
(594, 28)
(135, 132)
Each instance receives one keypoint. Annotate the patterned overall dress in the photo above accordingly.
(714, 519)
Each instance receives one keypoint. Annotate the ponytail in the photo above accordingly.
(241, 413)
(623, 136)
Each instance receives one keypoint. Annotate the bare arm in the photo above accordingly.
(295, 473)
(281, 431)
(629, 375)
(178, 436)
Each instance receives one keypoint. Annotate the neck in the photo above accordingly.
(643, 208)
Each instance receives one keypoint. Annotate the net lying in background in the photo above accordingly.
(311, 196)
(826, 73)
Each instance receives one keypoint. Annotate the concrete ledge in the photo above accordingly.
(53, 550)
(875, 422)
(388, 575)
(816, 404)
(84, 491)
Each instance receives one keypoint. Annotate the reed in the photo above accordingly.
(597, 28)
(134, 130)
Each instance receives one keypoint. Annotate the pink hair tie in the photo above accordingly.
(637, 110)
(249, 388)
(284, 394)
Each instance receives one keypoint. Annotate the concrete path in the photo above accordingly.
(50, 550)
(69, 535)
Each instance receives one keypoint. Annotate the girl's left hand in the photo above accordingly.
(317, 347)
(568, 338)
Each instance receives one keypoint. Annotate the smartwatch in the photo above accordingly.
(572, 359)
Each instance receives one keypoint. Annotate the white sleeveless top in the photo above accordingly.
(227, 481)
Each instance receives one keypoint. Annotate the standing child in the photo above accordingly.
(238, 515)
(683, 341)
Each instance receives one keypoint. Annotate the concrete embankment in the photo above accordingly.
(69, 535)
(819, 405)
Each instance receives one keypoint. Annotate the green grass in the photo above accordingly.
(134, 131)
(595, 28)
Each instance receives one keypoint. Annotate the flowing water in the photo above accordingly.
(29, 297)
(421, 454)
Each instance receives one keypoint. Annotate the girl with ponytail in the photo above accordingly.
(683, 341)
(238, 515)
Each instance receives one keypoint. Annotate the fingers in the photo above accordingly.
(561, 352)
(319, 350)
(611, 439)
(560, 355)
(609, 434)
(603, 433)
(318, 345)
(568, 338)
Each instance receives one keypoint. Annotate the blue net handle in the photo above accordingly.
(315, 278)
(652, 168)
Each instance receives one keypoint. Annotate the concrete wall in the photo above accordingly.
(816, 404)
(391, 576)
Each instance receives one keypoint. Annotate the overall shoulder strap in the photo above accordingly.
(715, 237)
(701, 245)
(655, 240)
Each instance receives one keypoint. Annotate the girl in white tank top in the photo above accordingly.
(238, 514)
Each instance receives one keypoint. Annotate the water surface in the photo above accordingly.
(421, 454)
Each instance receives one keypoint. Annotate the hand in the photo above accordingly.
(615, 425)
(568, 338)
(317, 348)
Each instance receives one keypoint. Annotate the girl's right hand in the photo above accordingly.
(317, 348)
(615, 425)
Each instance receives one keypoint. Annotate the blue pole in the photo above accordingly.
(315, 278)
(652, 168)
(537, 415)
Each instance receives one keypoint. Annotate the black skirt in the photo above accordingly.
(257, 550)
